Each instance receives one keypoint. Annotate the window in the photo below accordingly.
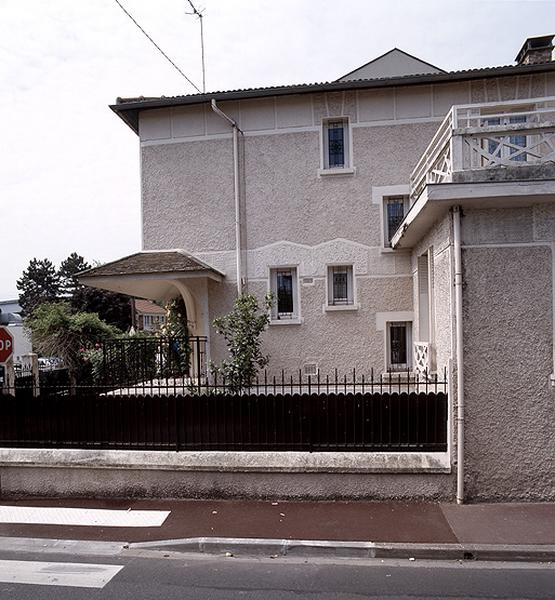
(399, 345)
(153, 322)
(283, 284)
(336, 146)
(499, 150)
(395, 208)
(340, 285)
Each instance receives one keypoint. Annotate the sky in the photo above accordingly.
(69, 168)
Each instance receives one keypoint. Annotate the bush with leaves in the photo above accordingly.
(57, 331)
(242, 329)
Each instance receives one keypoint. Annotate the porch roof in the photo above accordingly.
(152, 261)
(149, 274)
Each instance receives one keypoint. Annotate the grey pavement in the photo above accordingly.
(182, 577)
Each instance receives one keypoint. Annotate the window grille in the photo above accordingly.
(340, 285)
(336, 144)
(283, 284)
(395, 213)
(399, 344)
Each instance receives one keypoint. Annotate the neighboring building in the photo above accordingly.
(345, 199)
(147, 315)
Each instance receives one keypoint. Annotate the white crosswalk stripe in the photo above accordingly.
(95, 517)
(86, 575)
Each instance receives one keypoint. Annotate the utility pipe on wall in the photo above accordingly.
(459, 337)
(236, 192)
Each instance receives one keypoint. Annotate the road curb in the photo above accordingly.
(346, 549)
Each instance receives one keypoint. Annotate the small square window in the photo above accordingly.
(340, 285)
(284, 287)
(336, 144)
(394, 209)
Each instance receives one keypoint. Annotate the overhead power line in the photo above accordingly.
(157, 46)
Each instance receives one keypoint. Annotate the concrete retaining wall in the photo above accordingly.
(85, 473)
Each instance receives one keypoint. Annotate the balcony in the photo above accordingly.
(483, 156)
(493, 142)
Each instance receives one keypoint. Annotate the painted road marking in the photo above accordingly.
(95, 517)
(87, 575)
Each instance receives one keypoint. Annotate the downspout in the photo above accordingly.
(459, 346)
(236, 192)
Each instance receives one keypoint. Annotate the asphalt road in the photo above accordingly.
(137, 575)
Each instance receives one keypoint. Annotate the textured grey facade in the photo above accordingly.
(508, 353)
(293, 215)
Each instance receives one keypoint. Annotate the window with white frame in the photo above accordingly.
(336, 143)
(394, 210)
(340, 285)
(499, 147)
(284, 287)
(153, 322)
(399, 344)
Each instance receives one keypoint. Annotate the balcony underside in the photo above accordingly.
(436, 199)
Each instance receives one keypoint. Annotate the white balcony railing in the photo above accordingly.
(484, 136)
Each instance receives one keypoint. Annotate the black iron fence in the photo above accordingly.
(157, 394)
(377, 422)
(137, 361)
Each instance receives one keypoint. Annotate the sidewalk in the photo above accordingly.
(369, 528)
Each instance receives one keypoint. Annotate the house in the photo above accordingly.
(147, 315)
(404, 218)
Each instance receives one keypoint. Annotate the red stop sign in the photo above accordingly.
(6, 344)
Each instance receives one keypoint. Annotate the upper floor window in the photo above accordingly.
(336, 146)
(395, 208)
(284, 287)
(340, 285)
(501, 147)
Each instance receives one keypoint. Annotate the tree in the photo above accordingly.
(39, 283)
(58, 331)
(242, 329)
(113, 308)
(69, 268)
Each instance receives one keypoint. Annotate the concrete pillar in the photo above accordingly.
(30, 364)
(8, 376)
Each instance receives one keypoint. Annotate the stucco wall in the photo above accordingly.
(510, 408)
(343, 339)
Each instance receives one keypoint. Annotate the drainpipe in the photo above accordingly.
(236, 192)
(459, 336)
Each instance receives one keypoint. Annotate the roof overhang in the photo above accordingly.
(436, 200)
(128, 109)
(150, 274)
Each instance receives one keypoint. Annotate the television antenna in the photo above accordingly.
(199, 15)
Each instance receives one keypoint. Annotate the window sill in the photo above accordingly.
(340, 307)
(286, 322)
(343, 171)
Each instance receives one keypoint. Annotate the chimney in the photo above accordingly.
(536, 50)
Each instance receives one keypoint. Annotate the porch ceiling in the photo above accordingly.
(149, 274)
